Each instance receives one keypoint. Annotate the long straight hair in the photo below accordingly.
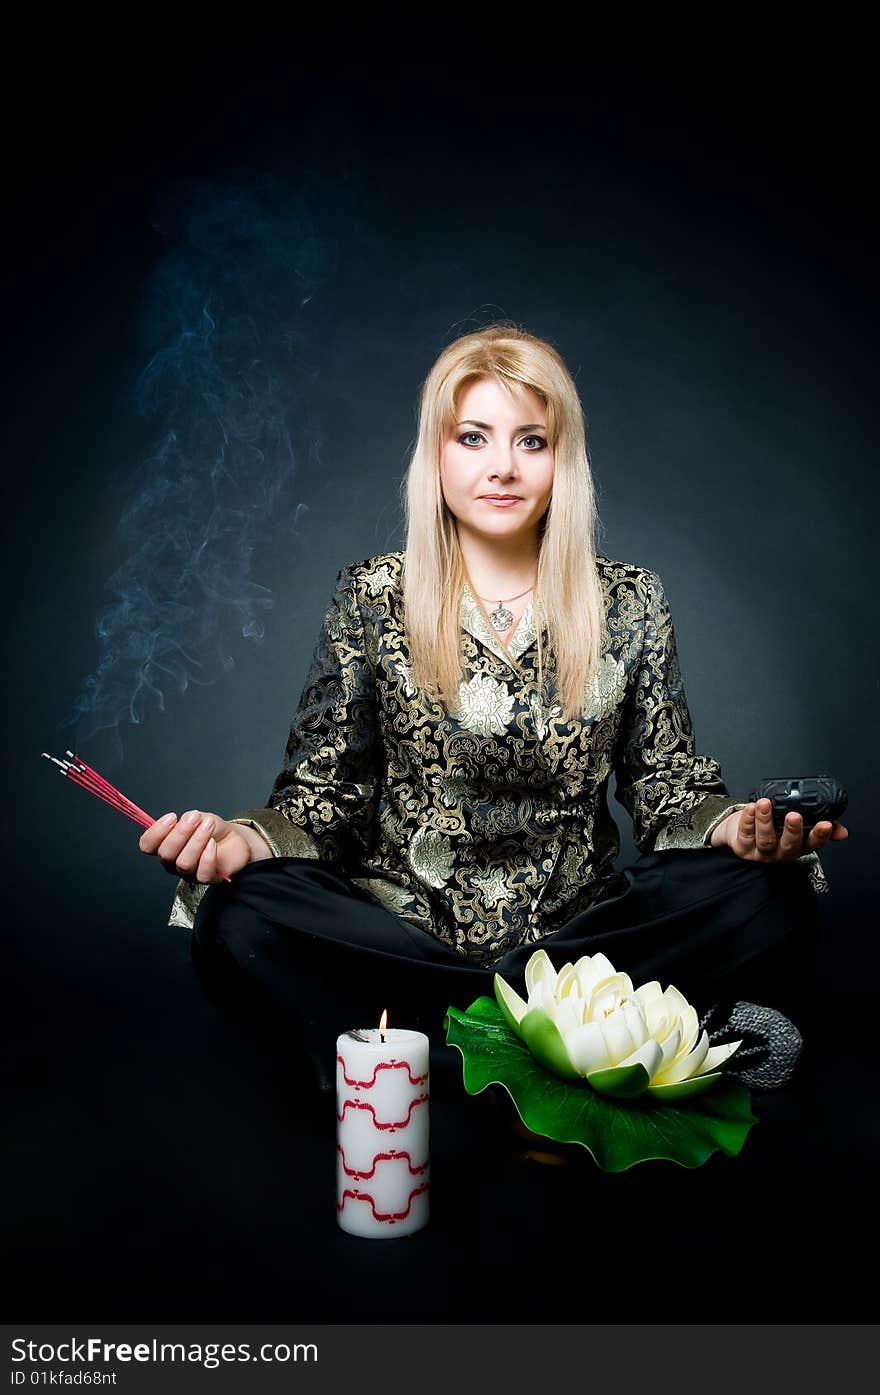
(568, 595)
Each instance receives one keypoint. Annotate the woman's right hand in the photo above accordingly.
(184, 846)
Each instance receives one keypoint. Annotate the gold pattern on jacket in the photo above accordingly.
(487, 827)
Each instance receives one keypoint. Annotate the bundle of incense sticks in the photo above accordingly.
(76, 769)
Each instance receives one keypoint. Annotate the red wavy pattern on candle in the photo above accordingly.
(388, 1216)
(394, 1124)
(381, 1065)
(415, 1168)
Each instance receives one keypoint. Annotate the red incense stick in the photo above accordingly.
(82, 774)
(105, 784)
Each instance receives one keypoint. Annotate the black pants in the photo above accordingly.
(291, 945)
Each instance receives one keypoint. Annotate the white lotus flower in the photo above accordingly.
(587, 1021)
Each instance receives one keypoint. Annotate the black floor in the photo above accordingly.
(166, 1165)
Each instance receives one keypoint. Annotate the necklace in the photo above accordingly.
(501, 617)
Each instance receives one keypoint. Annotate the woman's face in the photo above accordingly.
(498, 445)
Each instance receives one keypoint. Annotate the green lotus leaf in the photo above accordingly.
(617, 1133)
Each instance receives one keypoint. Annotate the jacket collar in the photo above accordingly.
(474, 621)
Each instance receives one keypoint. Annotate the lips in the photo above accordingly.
(501, 498)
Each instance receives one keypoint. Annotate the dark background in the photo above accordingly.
(688, 221)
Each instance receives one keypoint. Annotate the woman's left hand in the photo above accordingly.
(749, 832)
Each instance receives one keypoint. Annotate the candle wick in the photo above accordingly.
(382, 1035)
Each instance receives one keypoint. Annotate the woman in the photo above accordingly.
(441, 809)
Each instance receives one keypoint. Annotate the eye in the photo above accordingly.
(463, 440)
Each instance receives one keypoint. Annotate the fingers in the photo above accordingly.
(745, 830)
(180, 850)
(821, 834)
(756, 832)
(151, 837)
(207, 868)
(791, 841)
(756, 829)
(198, 832)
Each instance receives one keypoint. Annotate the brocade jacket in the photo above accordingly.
(487, 827)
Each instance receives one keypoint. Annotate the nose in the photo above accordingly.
(504, 471)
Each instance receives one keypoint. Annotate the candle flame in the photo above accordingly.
(383, 1020)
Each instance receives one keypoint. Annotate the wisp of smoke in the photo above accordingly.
(228, 367)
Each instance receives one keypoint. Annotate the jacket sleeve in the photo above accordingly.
(674, 796)
(329, 781)
(324, 799)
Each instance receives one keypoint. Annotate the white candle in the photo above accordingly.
(382, 1131)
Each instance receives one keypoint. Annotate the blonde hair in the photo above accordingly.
(568, 594)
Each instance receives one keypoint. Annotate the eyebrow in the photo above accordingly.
(484, 425)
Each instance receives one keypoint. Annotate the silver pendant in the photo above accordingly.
(501, 617)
